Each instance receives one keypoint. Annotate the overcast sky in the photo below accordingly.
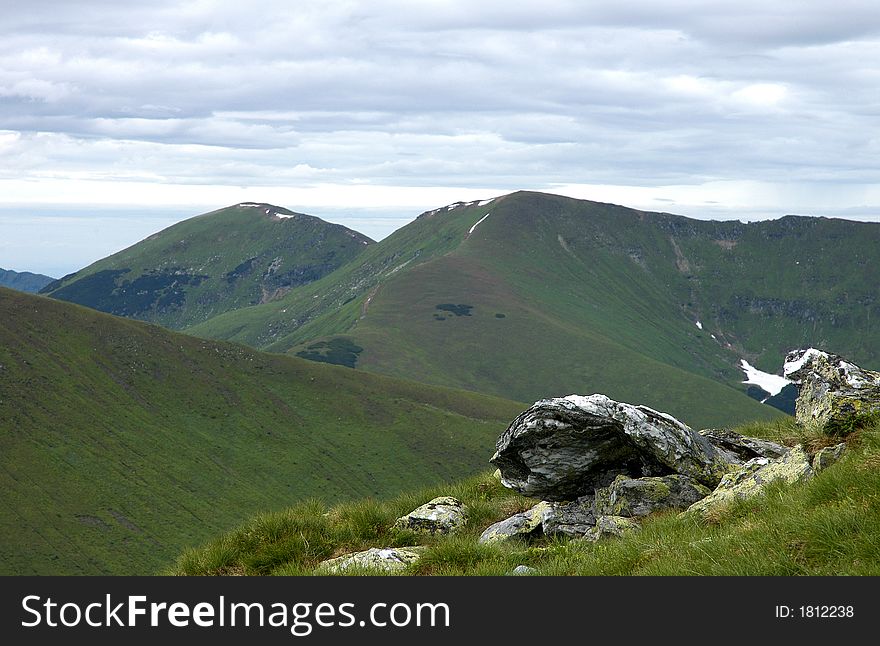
(118, 119)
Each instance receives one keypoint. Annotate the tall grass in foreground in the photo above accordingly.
(828, 526)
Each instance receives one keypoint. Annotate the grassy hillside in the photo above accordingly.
(556, 296)
(829, 526)
(121, 442)
(234, 257)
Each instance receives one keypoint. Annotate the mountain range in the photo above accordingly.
(530, 295)
(23, 281)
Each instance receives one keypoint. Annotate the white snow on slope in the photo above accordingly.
(478, 223)
(699, 325)
(773, 384)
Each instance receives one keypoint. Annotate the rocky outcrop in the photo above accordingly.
(573, 519)
(520, 525)
(522, 570)
(739, 448)
(443, 515)
(611, 526)
(634, 497)
(753, 477)
(384, 559)
(827, 456)
(564, 448)
(831, 389)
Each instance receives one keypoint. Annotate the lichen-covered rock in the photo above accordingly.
(385, 559)
(611, 526)
(561, 449)
(632, 497)
(517, 526)
(827, 456)
(831, 389)
(442, 515)
(741, 447)
(573, 518)
(522, 570)
(752, 478)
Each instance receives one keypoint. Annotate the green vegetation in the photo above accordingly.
(220, 261)
(339, 351)
(828, 526)
(121, 442)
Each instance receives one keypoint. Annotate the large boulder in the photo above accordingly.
(384, 559)
(827, 456)
(443, 515)
(564, 448)
(752, 478)
(831, 389)
(633, 497)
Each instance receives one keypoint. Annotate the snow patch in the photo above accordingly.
(699, 325)
(773, 384)
(281, 215)
(485, 202)
(714, 337)
(471, 230)
(250, 204)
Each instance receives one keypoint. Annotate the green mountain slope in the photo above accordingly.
(23, 281)
(122, 442)
(234, 257)
(531, 294)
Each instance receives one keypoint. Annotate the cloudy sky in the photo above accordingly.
(118, 119)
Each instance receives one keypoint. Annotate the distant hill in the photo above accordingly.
(530, 295)
(23, 281)
(230, 258)
(121, 443)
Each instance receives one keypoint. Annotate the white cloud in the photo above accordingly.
(717, 109)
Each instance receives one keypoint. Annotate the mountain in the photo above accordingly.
(531, 295)
(122, 442)
(234, 257)
(23, 281)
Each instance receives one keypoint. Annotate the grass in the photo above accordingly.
(827, 526)
(121, 442)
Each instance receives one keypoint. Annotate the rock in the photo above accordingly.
(827, 456)
(517, 526)
(740, 447)
(442, 515)
(522, 570)
(497, 474)
(564, 448)
(608, 526)
(385, 559)
(752, 478)
(832, 389)
(569, 518)
(632, 497)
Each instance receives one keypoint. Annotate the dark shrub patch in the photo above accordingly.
(458, 310)
(499, 315)
(339, 351)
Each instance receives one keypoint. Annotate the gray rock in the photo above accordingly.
(442, 515)
(831, 389)
(632, 497)
(564, 448)
(827, 456)
(611, 526)
(753, 477)
(574, 518)
(522, 570)
(384, 559)
(519, 525)
(740, 447)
